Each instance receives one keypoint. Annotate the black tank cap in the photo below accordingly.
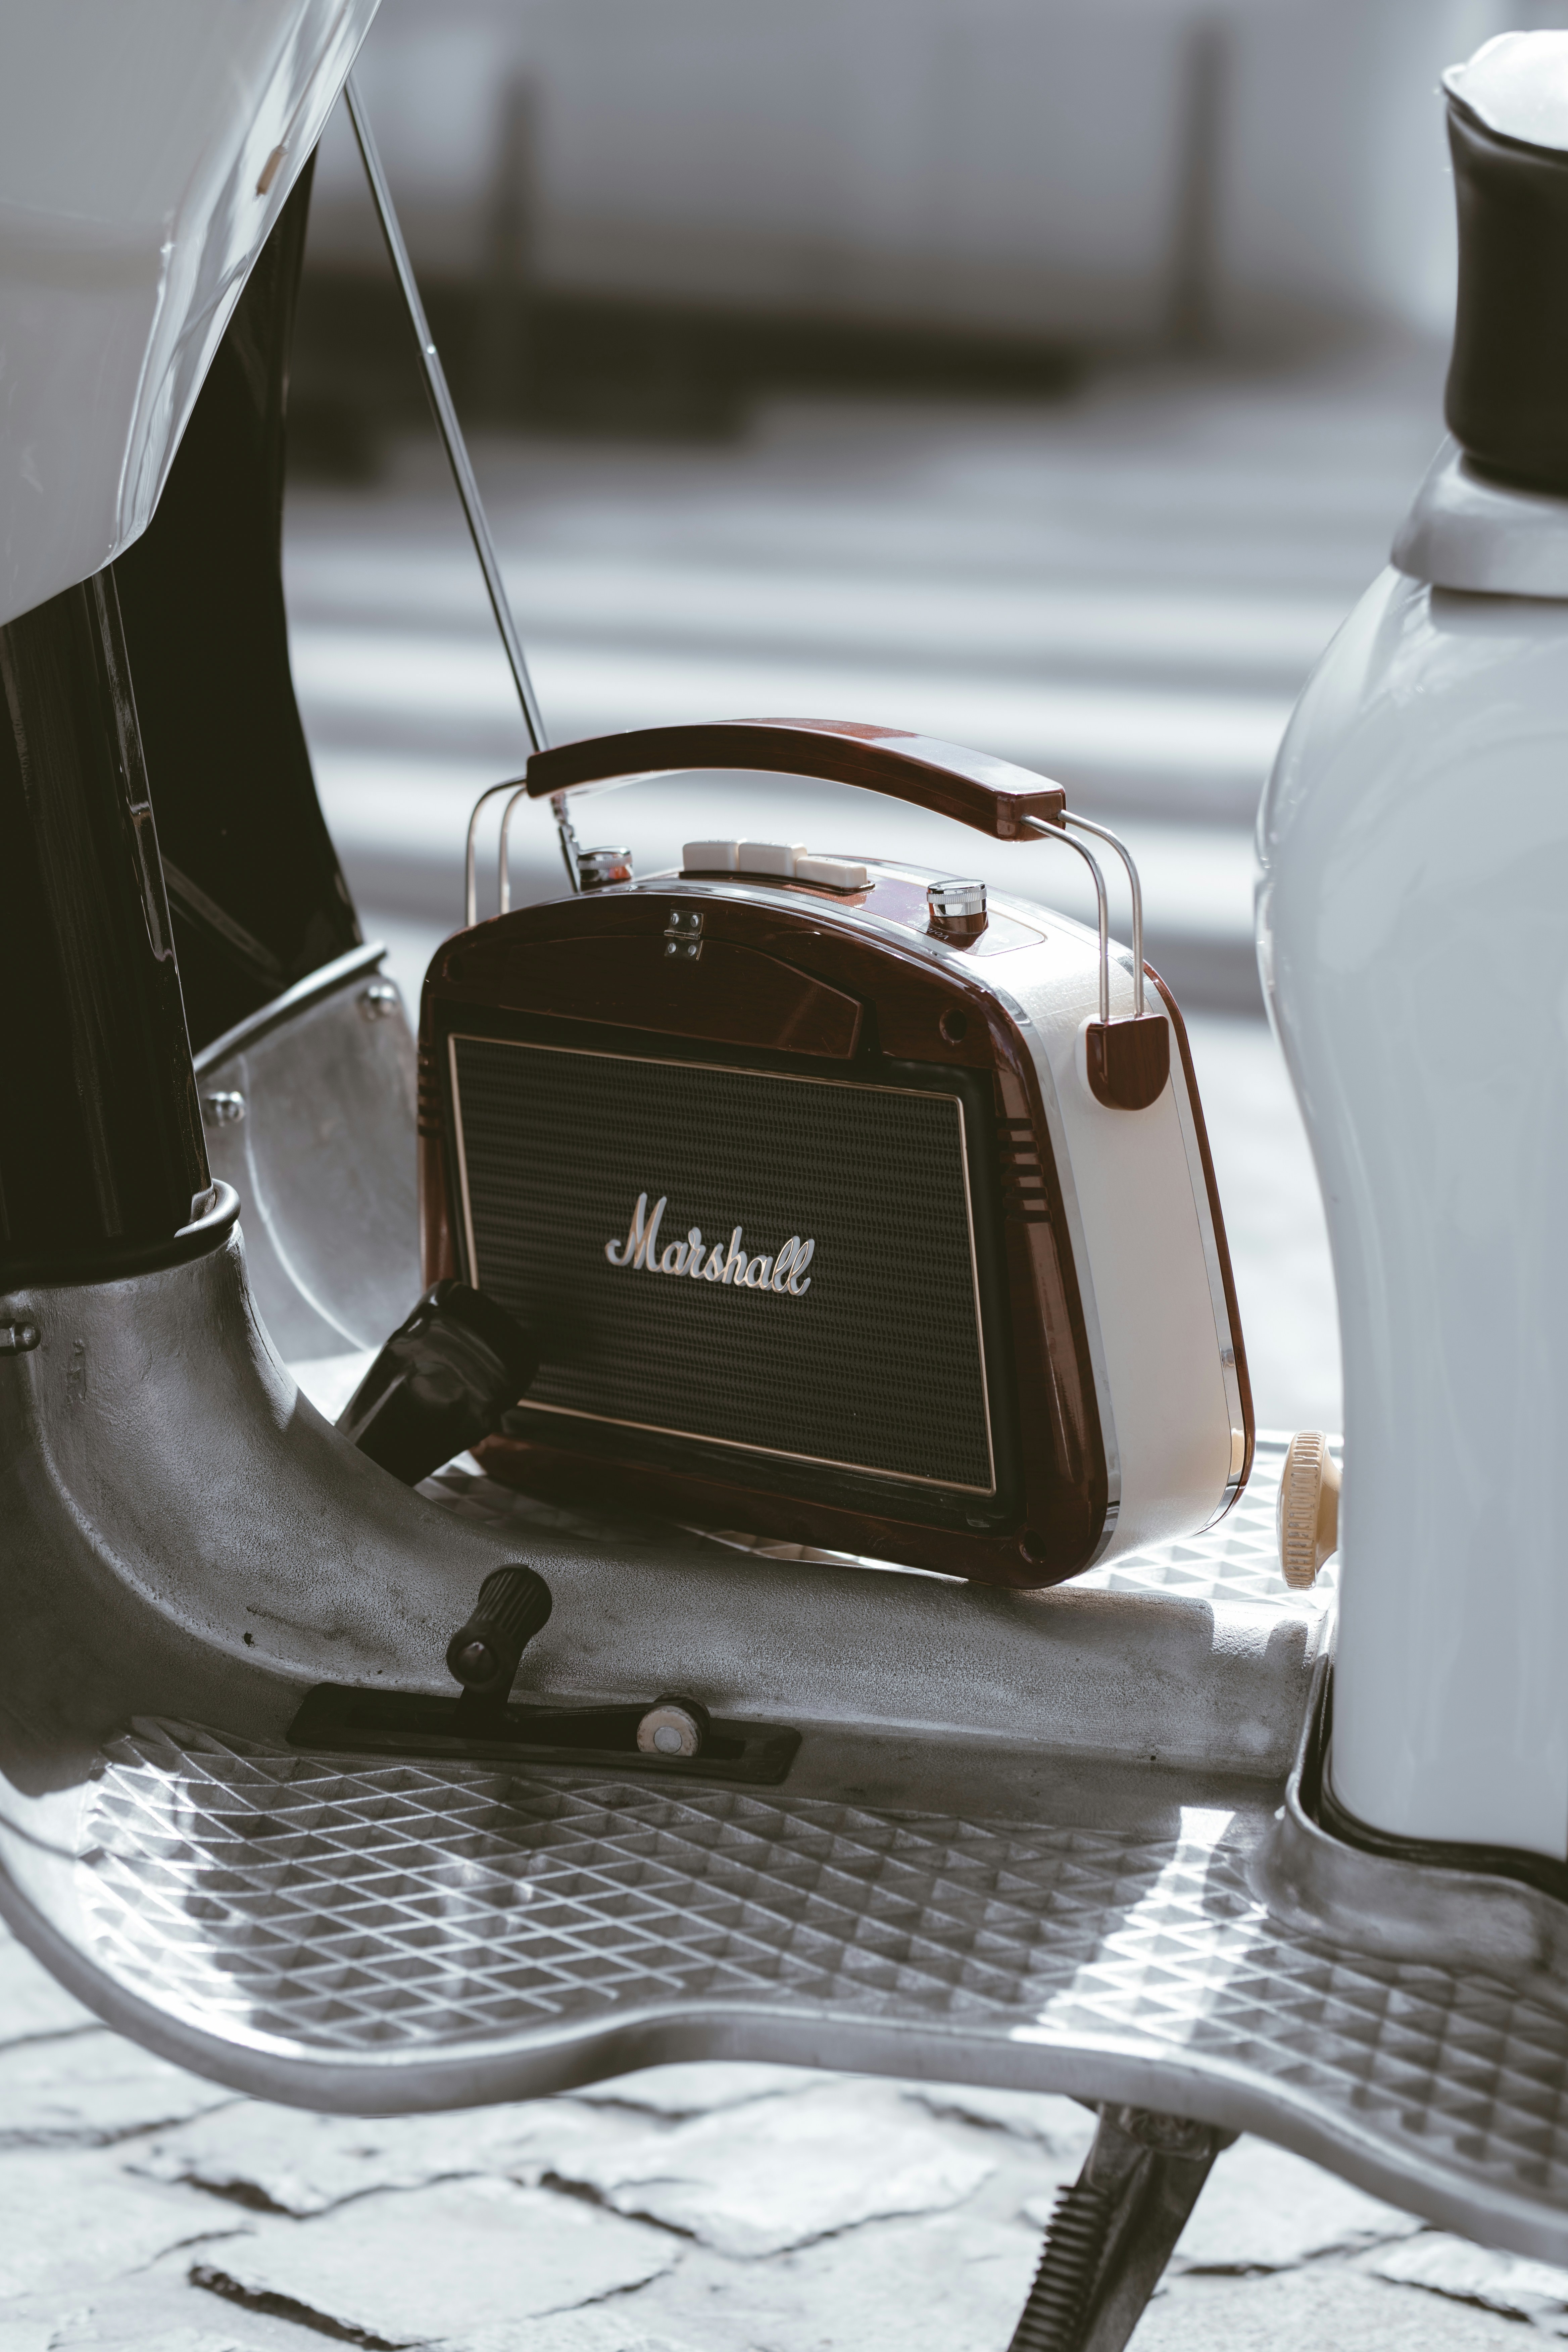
(1507, 397)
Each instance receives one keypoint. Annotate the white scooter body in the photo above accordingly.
(1412, 916)
(1412, 924)
(146, 149)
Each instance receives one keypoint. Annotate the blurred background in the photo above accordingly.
(1047, 377)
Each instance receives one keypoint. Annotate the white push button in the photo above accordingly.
(833, 873)
(787, 859)
(768, 856)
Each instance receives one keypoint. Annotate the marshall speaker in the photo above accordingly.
(843, 1206)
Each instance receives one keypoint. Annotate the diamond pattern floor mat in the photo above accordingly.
(347, 1911)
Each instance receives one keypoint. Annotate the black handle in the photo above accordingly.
(992, 796)
(442, 1381)
(1504, 399)
(483, 1654)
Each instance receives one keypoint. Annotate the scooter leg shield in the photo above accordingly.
(184, 1535)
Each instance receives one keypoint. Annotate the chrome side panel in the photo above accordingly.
(310, 1111)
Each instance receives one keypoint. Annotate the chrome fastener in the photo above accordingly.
(957, 909)
(598, 869)
(683, 934)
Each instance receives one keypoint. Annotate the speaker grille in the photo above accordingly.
(878, 1363)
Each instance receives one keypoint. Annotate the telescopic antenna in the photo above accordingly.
(451, 433)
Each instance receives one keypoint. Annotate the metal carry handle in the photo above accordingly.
(1128, 1059)
(1054, 832)
(992, 796)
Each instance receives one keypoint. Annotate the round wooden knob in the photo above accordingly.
(1309, 1508)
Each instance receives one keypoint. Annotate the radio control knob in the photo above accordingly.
(597, 869)
(1308, 1512)
(957, 909)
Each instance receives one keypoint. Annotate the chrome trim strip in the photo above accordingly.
(1225, 1335)
(462, 1162)
(772, 1453)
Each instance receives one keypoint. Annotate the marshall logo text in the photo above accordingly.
(785, 1273)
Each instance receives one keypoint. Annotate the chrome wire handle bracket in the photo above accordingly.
(452, 442)
(1103, 832)
(503, 867)
(517, 787)
(566, 833)
(1128, 1061)
(513, 785)
(1056, 833)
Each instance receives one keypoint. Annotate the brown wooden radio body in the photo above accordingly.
(581, 1055)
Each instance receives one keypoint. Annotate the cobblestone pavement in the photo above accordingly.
(688, 2209)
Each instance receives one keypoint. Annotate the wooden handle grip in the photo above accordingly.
(992, 796)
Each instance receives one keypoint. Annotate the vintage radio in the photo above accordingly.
(844, 1205)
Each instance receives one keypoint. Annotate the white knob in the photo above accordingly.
(673, 1726)
(1307, 1515)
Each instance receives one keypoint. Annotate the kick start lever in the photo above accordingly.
(514, 1604)
(673, 1734)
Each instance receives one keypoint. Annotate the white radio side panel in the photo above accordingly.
(1145, 1254)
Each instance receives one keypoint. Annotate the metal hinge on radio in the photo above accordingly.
(683, 934)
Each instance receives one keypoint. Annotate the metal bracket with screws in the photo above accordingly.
(683, 934)
(675, 1733)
